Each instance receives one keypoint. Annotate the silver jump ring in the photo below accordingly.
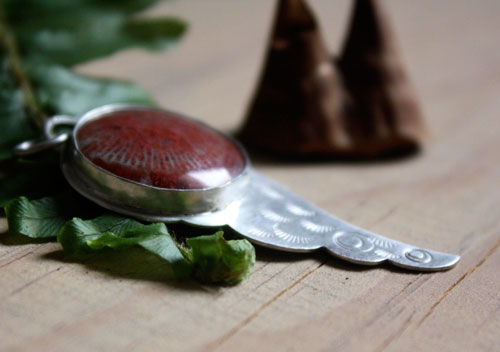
(37, 145)
(50, 139)
(55, 121)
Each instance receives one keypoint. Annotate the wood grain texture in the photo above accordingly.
(446, 199)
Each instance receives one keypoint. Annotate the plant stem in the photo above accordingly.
(9, 46)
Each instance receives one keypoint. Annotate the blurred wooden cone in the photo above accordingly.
(307, 106)
(384, 117)
(297, 107)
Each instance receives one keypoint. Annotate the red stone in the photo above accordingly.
(160, 149)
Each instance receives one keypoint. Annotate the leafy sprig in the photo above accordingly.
(40, 41)
(209, 259)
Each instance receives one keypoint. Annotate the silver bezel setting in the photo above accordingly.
(140, 200)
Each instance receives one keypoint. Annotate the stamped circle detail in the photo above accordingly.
(419, 256)
(353, 241)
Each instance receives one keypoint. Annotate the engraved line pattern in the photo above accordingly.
(385, 254)
(381, 242)
(289, 237)
(259, 232)
(299, 211)
(273, 216)
(313, 227)
(278, 218)
(270, 193)
(369, 244)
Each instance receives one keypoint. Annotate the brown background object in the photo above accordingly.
(447, 199)
(307, 104)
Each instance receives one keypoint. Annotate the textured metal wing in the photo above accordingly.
(274, 217)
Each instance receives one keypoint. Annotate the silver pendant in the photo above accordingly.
(156, 165)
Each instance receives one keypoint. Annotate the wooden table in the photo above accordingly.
(448, 199)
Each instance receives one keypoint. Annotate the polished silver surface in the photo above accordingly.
(272, 216)
(253, 205)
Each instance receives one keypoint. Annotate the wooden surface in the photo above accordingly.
(448, 199)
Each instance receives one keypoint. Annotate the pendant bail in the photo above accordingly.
(50, 138)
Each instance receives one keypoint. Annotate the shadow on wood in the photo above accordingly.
(130, 264)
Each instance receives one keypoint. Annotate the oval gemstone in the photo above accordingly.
(159, 149)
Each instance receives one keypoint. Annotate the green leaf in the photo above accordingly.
(155, 33)
(109, 231)
(40, 218)
(61, 91)
(210, 258)
(218, 260)
(77, 235)
(73, 32)
(39, 39)
(166, 248)
(20, 9)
